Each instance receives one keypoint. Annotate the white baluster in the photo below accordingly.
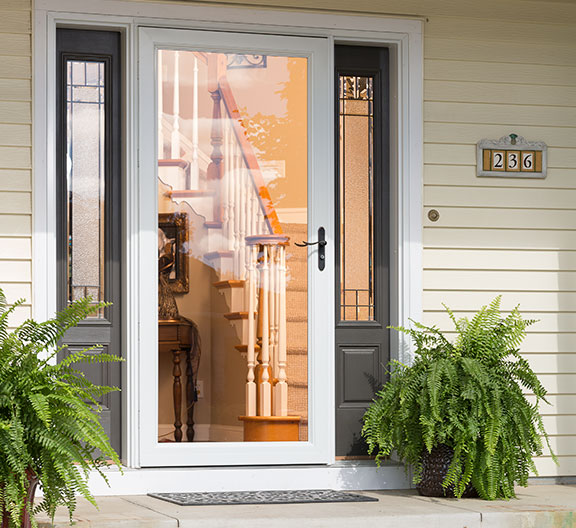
(254, 205)
(242, 234)
(225, 186)
(194, 165)
(237, 213)
(251, 352)
(260, 222)
(249, 231)
(272, 310)
(232, 196)
(160, 106)
(265, 392)
(281, 387)
(175, 139)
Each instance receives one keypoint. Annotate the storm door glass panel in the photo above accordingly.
(356, 114)
(85, 170)
(232, 199)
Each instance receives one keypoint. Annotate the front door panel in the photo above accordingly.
(362, 313)
(89, 168)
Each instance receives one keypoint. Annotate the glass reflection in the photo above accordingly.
(232, 198)
(85, 117)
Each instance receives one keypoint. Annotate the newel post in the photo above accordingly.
(271, 385)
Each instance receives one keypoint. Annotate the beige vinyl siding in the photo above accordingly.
(16, 154)
(486, 79)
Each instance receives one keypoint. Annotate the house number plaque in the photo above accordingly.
(511, 157)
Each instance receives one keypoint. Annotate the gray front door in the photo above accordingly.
(362, 274)
(89, 167)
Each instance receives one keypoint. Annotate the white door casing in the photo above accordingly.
(404, 36)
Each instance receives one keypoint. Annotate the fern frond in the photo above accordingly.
(468, 395)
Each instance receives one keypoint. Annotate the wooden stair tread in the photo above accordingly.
(213, 225)
(244, 348)
(173, 162)
(232, 316)
(229, 284)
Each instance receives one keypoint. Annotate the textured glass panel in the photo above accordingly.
(356, 199)
(85, 178)
(232, 200)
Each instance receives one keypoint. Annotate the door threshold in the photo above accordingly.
(343, 475)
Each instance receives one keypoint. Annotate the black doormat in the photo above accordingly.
(219, 498)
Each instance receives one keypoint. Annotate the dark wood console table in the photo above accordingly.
(180, 338)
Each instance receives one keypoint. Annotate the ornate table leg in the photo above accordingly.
(189, 397)
(177, 394)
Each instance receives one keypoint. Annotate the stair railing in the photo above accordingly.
(251, 224)
(266, 382)
(251, 232)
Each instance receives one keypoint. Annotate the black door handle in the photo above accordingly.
(321, 242)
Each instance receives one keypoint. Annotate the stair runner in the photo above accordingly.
(297, 325)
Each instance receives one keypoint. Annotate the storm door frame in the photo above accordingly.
(319, 447)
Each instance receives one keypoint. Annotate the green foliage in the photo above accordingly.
(48, 413)
(469, 395)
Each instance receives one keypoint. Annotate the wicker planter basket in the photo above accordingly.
(434, 468)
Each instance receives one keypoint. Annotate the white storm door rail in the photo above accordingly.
(319, 449)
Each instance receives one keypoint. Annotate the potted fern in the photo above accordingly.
(49, 429)
(458, 415)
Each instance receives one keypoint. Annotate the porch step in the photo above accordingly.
(544, 505)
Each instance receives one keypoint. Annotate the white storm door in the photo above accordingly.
(236, 321)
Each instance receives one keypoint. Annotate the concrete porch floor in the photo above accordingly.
(543, 506)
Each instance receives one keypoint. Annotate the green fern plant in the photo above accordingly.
(49, 424)
(467, 394)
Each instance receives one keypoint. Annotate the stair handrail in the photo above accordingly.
(249, 156)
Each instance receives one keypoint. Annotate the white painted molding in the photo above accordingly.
(350, 476)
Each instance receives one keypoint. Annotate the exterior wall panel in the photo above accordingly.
(15, 152)
(485, 79)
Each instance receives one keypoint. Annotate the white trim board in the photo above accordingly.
(354, 476)
(403, 35)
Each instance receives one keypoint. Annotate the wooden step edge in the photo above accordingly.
(213, 225)
(229, 284)
(233, 316)
(244, 348)
(181, 163)
(218, 254)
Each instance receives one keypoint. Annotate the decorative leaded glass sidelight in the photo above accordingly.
(356, 190)
(85, 177)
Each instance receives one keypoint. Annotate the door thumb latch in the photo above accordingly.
(321, 243)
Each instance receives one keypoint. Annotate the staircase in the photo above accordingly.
(297, 324)
(262, 275)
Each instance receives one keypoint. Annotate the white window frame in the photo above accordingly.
(403, 36)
